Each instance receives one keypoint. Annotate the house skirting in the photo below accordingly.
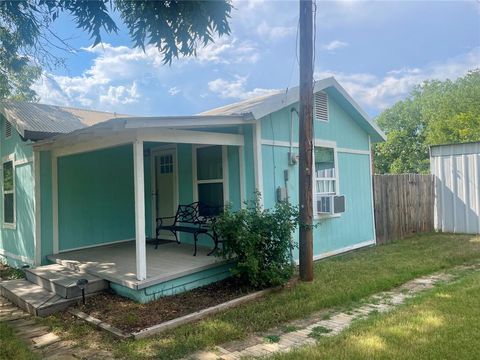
(174, 286)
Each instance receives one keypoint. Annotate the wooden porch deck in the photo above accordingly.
(116, 262)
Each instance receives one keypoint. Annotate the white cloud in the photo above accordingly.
(119, 76)
(228, 50)
(235, 89)
(379, 92)
(121, 95)
(334, 45)
(174, 90)
(275, 32)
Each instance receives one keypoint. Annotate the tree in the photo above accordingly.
(436, 112)
(175, 28)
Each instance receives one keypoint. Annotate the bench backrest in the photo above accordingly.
(196, 213)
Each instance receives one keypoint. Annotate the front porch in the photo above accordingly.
(116, 264)
(103, 188)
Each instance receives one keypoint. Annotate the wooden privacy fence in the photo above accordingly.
(403, 205)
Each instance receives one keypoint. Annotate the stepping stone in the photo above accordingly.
(45, 340)
(32, 332)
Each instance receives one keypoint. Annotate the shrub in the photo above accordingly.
(260, 242)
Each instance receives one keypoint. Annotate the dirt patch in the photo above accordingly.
(9, 273)
(130, 316)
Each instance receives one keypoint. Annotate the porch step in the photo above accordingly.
(63, 281)
(33, 298)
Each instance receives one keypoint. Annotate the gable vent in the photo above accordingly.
(321, 106)
(8, 129)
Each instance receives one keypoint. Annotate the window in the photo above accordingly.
(209, 176)
(166, 164)
(8, 129)
(325, 179)
(8, 193)
(321, 106)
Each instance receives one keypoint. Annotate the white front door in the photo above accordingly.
(164, 187)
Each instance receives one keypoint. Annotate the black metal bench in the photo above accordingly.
(195, 218)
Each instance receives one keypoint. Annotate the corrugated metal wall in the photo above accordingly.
(457, 189)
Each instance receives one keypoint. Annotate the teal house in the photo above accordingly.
(82, 189)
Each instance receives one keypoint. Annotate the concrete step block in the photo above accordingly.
(63, 281)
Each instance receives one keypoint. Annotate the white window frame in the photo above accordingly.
(315, 105)
(12, 225)
(331, 145)
(224, 179)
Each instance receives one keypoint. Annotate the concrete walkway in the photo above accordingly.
(325, 323)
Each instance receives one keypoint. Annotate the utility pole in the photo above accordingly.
(305, 138)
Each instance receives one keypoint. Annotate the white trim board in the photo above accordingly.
(258, 160)
(12, 225)
(16, 257)
(342, 250)
(37, 207)
(317, 143)
(95, 245)
(102, 139)
(372, 170)
(139, 193)
(23, 161)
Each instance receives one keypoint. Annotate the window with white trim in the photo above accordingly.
(8, 192)
(325, 178)
(321, 106)
(209, 176)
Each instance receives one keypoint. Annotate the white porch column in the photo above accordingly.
(141, 254)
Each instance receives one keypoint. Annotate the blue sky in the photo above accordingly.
(377, 50)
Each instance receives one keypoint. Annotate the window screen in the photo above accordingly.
(210, 180)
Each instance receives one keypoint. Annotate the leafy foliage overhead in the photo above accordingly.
(436, 112)
(175, 27)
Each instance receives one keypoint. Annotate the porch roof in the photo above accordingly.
(162, 129)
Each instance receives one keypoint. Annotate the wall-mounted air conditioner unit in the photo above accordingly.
(330, 204)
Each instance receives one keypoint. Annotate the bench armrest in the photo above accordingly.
(161, 219)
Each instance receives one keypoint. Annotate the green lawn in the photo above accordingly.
(440, 324)
(11, 347)
(339, 282)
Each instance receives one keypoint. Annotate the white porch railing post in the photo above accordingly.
(141, 254)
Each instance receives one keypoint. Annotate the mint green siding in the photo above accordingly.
(333, 233)
(175, 286)
(340, 127)
(96, 195)
(95, 198)
(17, 245)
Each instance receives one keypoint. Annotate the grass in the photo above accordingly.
(11, 347)
(318, 331)
(339, 282)
(272, 338)
(440, 324)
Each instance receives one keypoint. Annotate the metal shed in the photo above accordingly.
(456, 168)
